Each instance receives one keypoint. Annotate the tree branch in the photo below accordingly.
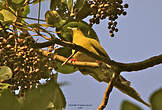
(71, 45)
(108, 90)
(62, 59)
(76, 63)
(121, 66)
(106, 96)
(139, 65)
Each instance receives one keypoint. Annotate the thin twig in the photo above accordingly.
(39, 7)
(45, 37)
(32, 18)
(69, 58)
(36, 31)
(108, 91)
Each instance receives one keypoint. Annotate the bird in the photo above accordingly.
(93, 45)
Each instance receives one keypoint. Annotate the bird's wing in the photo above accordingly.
(99, 49)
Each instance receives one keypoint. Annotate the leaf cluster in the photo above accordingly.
(45, 97)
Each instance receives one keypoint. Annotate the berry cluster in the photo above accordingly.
(107, 8)
(27, 63)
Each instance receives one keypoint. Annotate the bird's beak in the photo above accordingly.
(71, 28)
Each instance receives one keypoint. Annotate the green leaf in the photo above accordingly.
(26, 11)
(8, 101)
(126, 105)
(8, 16)
(1, 17)
(54, 19)
(5, 73)
(70, 5)
(66, 69)
(54, 4)
(17, 1)
(82, 9)
(58, 99)
(63, 51)
(15, 4)
(39, 98)
(58, 102)
(4, 86)
(1, 6)
(156, 100)
(79, 4)
(63, 1)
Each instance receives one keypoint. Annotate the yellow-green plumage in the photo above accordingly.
(88, 43)
(94, 46)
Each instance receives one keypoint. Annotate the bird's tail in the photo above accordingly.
(127, 89)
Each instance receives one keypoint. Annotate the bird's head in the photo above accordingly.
(75, 29)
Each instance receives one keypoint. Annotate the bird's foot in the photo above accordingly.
(73, 60)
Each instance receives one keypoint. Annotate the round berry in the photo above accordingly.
(126, 5)
(116, 29)
(124, 13)
(112, 34)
